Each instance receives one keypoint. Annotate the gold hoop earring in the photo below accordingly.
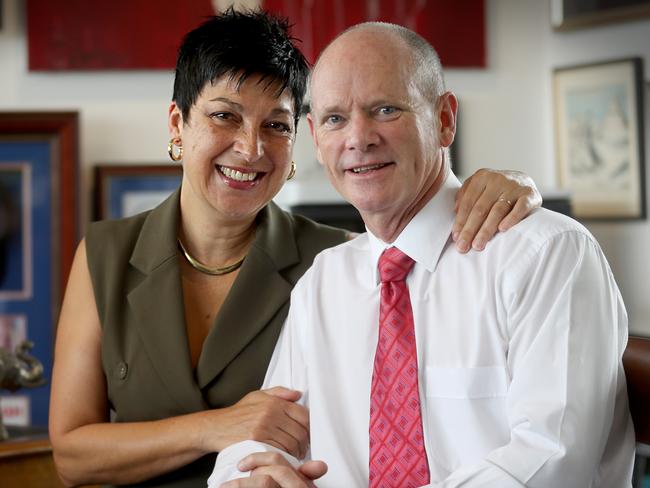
(175, 142)
(292, 171)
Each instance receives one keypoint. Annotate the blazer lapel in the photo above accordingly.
(157, 303)
(257, 294)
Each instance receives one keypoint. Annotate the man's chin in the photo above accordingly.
(369, 207)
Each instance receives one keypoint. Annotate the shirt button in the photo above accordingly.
(122, 370)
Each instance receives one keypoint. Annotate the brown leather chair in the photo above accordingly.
(636, 361)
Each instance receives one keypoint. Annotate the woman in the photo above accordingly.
(171, 316)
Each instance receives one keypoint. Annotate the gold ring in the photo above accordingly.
(506, 201)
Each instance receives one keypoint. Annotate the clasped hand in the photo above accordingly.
(272, 470)
(272, 416)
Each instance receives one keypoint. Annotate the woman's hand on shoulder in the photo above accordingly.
(490, 201)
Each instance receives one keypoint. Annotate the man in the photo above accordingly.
(516, 381)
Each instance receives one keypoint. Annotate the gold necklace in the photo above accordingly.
(197, 265)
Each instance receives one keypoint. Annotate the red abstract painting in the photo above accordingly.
(145, 34)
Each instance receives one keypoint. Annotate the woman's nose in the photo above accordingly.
(249, 144)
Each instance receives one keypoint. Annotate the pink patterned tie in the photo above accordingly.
(397, 454)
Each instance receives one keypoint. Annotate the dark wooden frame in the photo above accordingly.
(597, 16)
(64, 126)
(104, 173)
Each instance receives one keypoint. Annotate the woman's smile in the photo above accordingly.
(239, 178)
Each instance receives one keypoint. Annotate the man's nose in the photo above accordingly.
(362, 133)
(249, 144)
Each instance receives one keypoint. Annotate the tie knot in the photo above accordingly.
(394, 265)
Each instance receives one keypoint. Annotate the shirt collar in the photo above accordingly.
(424, 237)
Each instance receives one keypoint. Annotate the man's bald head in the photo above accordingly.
(425, 66)
(381, 122)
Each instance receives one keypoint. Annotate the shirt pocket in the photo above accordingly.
(466, 413)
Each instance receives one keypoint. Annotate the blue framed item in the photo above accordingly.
(38, 234)
(123, 191)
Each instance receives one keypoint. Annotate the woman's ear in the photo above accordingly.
(175, 121)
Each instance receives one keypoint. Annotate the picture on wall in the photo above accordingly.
(15, 231)
(575, 14)
(38, 237)
(599, 138)
(126, 190)
(83, 35)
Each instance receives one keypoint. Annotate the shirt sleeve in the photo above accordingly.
(287, 368)
(225, 468)
(567, 331)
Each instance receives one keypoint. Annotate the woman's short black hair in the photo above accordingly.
(238, 45)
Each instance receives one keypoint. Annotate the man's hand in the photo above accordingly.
(489, 201)
(270, 416)
(272, 470)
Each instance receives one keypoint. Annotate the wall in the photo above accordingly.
(625, 244)
(505, 119)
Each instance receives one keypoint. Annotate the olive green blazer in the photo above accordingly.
(134, 267)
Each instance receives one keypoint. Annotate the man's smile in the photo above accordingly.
(368, 168)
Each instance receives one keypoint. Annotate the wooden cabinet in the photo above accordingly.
(26, 461)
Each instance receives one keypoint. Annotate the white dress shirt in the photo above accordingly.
(519, 356)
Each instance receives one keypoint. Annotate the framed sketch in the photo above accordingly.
(575, 14)
(126, 190)
(599, 138)
(38, 231)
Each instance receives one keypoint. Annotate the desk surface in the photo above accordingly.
(26, 459)
(25, 440)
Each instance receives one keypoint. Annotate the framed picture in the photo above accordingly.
(599, 138)
(83, 35)
(15, 231)
(38, 232)
(575, 14)
(122, 191)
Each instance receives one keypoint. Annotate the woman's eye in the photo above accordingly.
(221, 115)
(280, 126)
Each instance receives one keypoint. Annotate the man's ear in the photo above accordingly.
(314, 137)
(448, 104)
(175, 121)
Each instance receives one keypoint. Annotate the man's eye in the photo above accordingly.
(387, 110)
(333, 119)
